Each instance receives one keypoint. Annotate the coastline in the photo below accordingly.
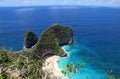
(52, 68)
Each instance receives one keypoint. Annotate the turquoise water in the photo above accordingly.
(96, 34)
(83, 54)
(95, 66)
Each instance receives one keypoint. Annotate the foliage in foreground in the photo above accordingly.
(73, 69)
(29, 68)
(110, 75)
(28, 64)
(22, 67)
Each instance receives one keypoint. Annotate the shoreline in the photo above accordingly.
(52, 68)
(66, 53)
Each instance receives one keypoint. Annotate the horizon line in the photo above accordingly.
(95, 6)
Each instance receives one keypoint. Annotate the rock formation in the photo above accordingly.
(63, 33)
(51, 39)
(30, 39)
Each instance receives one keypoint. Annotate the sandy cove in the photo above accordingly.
(51, 67)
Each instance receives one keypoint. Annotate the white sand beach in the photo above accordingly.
(51, 67)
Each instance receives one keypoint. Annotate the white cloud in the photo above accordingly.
(78, 2)
(51, 1)
(115, 1)
(1, 2)
(61, 2)
(65, 2)
(26, 2)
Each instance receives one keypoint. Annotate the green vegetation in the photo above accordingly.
(111, 75)
(4, 57)
(28, 63)
(23, 66)
(30, 39)
(5, 61)
(59, 29)
(50, 38)
(47, 41)
(63, 33)
(72, 69)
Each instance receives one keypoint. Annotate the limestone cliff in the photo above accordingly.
(63, 33)
(51, 39)
(30, 39)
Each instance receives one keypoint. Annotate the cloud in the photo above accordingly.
(26, 2)
(1, 2)
(61, 2)
(115, 1)
(101, 1)
(51, 1)
(78, 2)
(65, 2)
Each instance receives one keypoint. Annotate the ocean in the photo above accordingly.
(96, 34)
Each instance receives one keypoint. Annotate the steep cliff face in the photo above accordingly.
(51, 39)
(63, 33)
(30, 39)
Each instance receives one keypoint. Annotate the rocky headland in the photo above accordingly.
(42, 53)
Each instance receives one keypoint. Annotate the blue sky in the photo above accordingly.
(115, 3)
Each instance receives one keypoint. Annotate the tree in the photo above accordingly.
(110, 75)
(72, 69)
(5, 61)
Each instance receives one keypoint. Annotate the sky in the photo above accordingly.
(115, 3)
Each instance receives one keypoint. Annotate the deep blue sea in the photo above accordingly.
(96, 34)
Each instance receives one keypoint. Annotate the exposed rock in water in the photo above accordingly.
(65, 55)
(30, 39)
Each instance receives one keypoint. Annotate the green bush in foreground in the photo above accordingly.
(72, 69)
(28, 68)
(4, 57)
(5, 62)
